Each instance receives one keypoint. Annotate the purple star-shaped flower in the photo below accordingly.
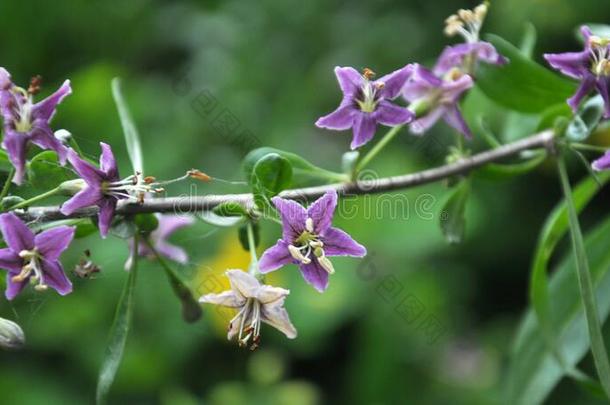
(168, 224)
(33, 258)
(591, 67)
(603, 163)
(366, 103)
(440, 98)
(467, 56)
(26, 121)
(308, 239)
(103, 187)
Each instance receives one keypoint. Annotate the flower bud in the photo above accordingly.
(63, 135)
(71, 187)
(11, 335)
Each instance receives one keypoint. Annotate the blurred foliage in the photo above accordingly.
(207, 81)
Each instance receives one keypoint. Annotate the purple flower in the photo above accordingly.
(366, 103)
(168, 224)
(466, 57)
(438, 97)
(307, 240)
(26, 121)
(603, 163)
(103, 187)
(255, 303)
(591, 67)
(33, 258)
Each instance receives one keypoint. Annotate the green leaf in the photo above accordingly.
(452, 221)
(533, 369)
(230, 209)
(146, 223)
(217, 220)
(499, 171)
(521, 85)
(270, 175)
(349, 161)
(548, 118)
(302, 169)
(585, 122)
(5, 164)
(132, 138)
(123, 229)
(45, 172)
(528, 42)
(118, 335)
(243, 236)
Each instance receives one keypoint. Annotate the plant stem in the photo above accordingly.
(387, 138)
(37, 198)
(589, 148)
(7, 184)
(252, 247)
(585, 283)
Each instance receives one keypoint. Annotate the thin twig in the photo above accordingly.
(195, 204)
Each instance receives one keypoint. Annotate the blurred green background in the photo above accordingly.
(266, 67)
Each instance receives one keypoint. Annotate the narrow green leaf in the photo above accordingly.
(5, 164)
(521, 85)
(533, 369)
(587, 292)
(118, 334)
(452, 217)
(528, 41)
(499, 171)
(230, 209)
(217, 220)
(132, 138)
(45, 172)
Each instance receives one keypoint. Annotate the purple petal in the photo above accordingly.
(349, 79)
(275, 257)
(91, 174)
(453, 89)
(454, 118)
(5, 79)
(16, 234)
(572, 64)
(391, 114)
(394, 82)
(46, 108)
(586, 33)
(172, 252)
(44, 138)
(168, 224)
(15, 144)
(453, 56)
(10, 260)
(51, 243)
(13, 288)
(293, 218)
(585, 88)
(602, 87)
(340, 119)
(55, 277)
(423, 124)
(107, 161)
(85, 198)
(421, 84)
(339, 243)
(603, 163)
(107, 208)
(364, 129)
(322, 211)
(315, 275)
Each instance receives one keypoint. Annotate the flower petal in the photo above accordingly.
(391, 115)
(168, 224)
(46, 108)
(51, 243)
(10, 261)
(315, 275)
(339, 243)
(15, 144)
(603, 163)
(243, 283)
(225, 298)
(108, 162)
(87, 197)
(268, 294)
(55, 277)
(275, 257)
(293, 218)
(322, 211)
(585, 88)
(394, 82)
(172, 252)
(349, 79)
(340, 119)
(454, 118)
(107, 207)
(91, 174)
(453, 89)
(453, 56)
(16, 234)
(277, 316)
(572, 64)
(13, 288)
(421, 84)
(364, 129)
(602, 87)
(423, 124)
(44, 138)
